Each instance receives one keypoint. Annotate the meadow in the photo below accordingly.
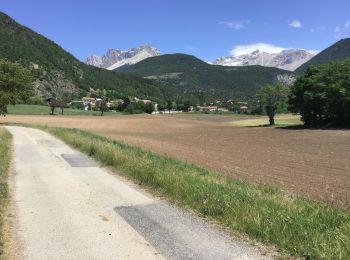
(280, 121)
(22, 109)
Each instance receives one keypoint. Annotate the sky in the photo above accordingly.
(204, 28)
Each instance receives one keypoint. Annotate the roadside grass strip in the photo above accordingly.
(5, 159)
(301, 228)
(22, 109)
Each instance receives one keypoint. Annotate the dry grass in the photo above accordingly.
(314, 164)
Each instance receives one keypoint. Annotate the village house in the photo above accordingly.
(243, 106)
(145, 101)
(90, 103)
(207, 108)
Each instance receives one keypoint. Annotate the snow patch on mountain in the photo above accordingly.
(288, 59)
(117, 58)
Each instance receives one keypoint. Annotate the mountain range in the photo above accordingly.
(289, 59)
(192, 75)
(117, 58)
(54, 67)
(160, 77)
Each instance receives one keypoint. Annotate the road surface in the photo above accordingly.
(68, 207)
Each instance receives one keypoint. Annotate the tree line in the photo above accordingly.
(321, 95)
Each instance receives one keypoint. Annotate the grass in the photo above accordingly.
(5, 159)
(299, 227)
(22, 109)
(224, 117)
(280, 120)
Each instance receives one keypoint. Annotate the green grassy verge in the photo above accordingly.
(45, 110)
(280, 120)
(5, 159)
(265, 214)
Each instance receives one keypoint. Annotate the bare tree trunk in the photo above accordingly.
(62, 110)
(271, 114)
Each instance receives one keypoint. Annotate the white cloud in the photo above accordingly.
(246, 49)
(234, 25)
(296, 24)
(347, 24)
(265, 47)
(337, 29)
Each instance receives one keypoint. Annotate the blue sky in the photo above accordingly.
(207, 29)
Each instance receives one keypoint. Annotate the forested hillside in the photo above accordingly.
(52, 65)
(191, 75)
(338, 51)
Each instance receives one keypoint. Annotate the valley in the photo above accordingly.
(313, 164)
(113, 148)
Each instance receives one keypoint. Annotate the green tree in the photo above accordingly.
(173, 105)
(273, 98)
(52, 102)
(149, 108)
(130, 109)
(255, 103)
(126, 102)
(169, 105)
(102, 105)
(161, 106)
(60, 97)
(63, 96)
(322, 94)
(16, 84)
(187, 105)
(139, 107)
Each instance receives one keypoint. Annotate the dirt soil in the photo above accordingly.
(314, 164)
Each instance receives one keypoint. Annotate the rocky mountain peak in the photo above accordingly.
(115, 58)
(256, 52)
(288, 59)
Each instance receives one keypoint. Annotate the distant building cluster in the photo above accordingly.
(220, 106)
(211, 109)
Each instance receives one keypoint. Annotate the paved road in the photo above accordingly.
(67, 207)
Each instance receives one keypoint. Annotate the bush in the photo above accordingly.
(130, 109)
(139, 108)
(77, 105)
(36, 100)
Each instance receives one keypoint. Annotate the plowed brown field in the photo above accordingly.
(314, 164)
